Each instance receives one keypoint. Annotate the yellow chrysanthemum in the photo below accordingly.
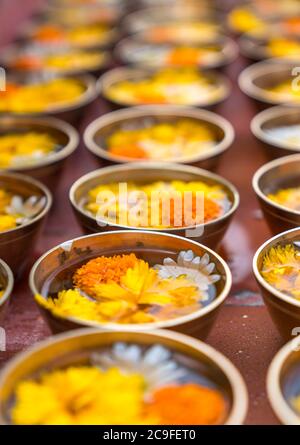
(281, 269)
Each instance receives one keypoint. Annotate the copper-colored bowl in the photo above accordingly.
(273, 118)
(10, 54)
(7, 284)
(210, 233)
(49, 168)
(255, 81)
(150, 246)
(131, 74)
(131, 51)
(70, 113)
(99, 130)
(277, 174)
(283, 382)
(76, 347)
(16, 245)
(284, 310)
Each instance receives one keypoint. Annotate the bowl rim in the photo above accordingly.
(10, 282)
(45, 192)
(159, 166)
(144, 111)
(278, 402)
(250, 73)
(264, 169)
(125, 72)
(239, 407)
(51, 123)
(264, 117)
(217, 301)
(271, 289)
(85, 98)
(227, 54)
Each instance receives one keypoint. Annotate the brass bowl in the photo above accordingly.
(74, 348)
(255, 81)
(131, 51)
(10, 53)
(17, 245)
(270, 119)
(47, 169)
(138, 117)
(280, 173)
(70, 113)
(209, 234)
(133, 74)
(284, 310)
(150, 246)
(283, 382)
(255, 48)
(7, 284)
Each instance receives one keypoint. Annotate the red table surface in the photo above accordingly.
(244, 331)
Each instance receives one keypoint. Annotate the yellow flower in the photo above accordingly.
(80, 395)
(281, 269)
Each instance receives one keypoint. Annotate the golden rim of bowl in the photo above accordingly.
(144, 111)
(50, 123)
(264, 117)
(119, 74)
(266, 168)
(45, 193)
(251, 73)
(284, 236)
(278, 402)
(10, 282)
(217, 301)
(236, 415)
(159, 166)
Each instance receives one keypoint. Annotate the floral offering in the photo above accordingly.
(81, 36)
(41, 97)
(169, 86)
(244, 20)
(19, 149)
(283, 92)
(283, 47)
(176, 55)
(73, 60)
(168, 141)
(16, 210)
(126, 289)
(288, 135)
(184, 32)
(288, 197)
(124, 384)
(281, 269)
(157, 205)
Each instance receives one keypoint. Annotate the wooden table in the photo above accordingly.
(244, 331)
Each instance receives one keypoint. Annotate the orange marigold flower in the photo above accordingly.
(102, 270)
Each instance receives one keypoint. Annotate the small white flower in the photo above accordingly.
(155, 364)
(198, 269)
(26, 208)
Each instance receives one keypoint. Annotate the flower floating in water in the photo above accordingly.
(181, 86)
(283, 47)
(16, 210)
(125, 289)
(179, 140)
(40, 97)
(81, 36)
(126, 384)
(19, 149)
(283, 92)
(184, 32)
(157, 205)
(289, 198)
(281, 269)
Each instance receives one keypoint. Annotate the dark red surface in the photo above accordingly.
(244, 331)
